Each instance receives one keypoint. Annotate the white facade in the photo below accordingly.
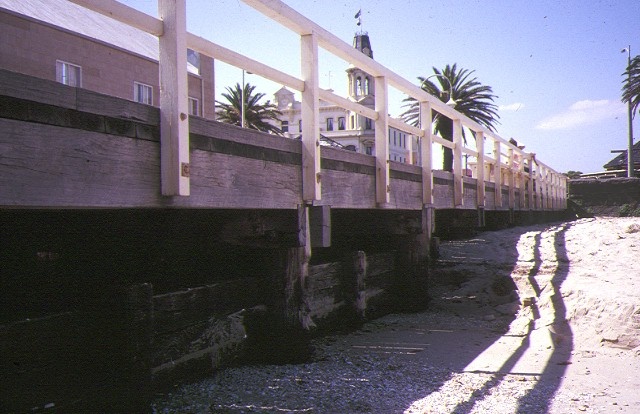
(350, 130)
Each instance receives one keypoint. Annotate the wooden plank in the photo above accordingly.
(480, 169)
(49, 166)
(457, 164)
(125, 14)
(97, 103)
(348, 190)
(174, 121)
(512, 178)
(497, 155)
(30, 88)
(426, 155)
(233, 133)
(405, 194)
(310, 112)
(233, 58)
(381, 127)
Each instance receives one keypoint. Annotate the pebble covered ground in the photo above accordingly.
(467, 353)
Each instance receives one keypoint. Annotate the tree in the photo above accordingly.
(631, 85)
(257, 115)
(573, 174)
(472, 99)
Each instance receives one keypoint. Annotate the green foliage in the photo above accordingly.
(629, 210)
(473, 100)
(256, 114)
(631, 85)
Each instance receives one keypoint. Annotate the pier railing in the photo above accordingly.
(537, 185)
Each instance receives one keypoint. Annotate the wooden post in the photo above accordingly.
(310, 112)
(512, 180)
(428, 228)
(383, 186)
(411, 160)
(296, 308)
(426, 148)
(320, 226)
(532, 204)
(174, 121)
(480, 169)
(539, 187)
(457, 163)
(360, 288)
(497, 172)
(522, 180)
(139, 320)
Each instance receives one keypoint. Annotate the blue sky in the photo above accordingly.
(556, 66)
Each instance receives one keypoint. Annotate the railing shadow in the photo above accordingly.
(561, 334)
(548, 380)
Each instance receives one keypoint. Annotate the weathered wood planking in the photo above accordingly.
(68, 147)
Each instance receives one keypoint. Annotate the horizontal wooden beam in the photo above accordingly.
(125, 14)
(223, 54)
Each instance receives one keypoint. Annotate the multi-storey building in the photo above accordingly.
(62, 41)
(351, 130)
(59, 40)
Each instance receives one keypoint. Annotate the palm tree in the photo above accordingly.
(631, 87)
(472, 99)
(256, 115)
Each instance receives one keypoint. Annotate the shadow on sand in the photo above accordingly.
(449, 359)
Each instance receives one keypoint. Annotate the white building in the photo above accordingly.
(339, 126)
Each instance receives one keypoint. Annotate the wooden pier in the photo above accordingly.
(188, 247)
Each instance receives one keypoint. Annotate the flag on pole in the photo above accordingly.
(357, 16)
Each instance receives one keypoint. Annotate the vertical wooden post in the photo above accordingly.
(296, 307)
(174, 121)
(532, 204)
(522, 180)
(497, 155)
(428, 228)
(139, 321)
(360, 287)
(480, 169)
(457, 163)
(512, 180)
(383, 182)
(554, 190)
(426, 148)
(539, 187)
(411, 159)
(311, 178)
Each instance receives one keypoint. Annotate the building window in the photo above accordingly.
(358, 86)
(300, 125)
(285, 126)
(193, 62)
(353, 122)
(143, 93)
(367, 123)
(368, 150)
(341, 123)
(68, 73)
(329, 124)
(194, 106)
(366, 86)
